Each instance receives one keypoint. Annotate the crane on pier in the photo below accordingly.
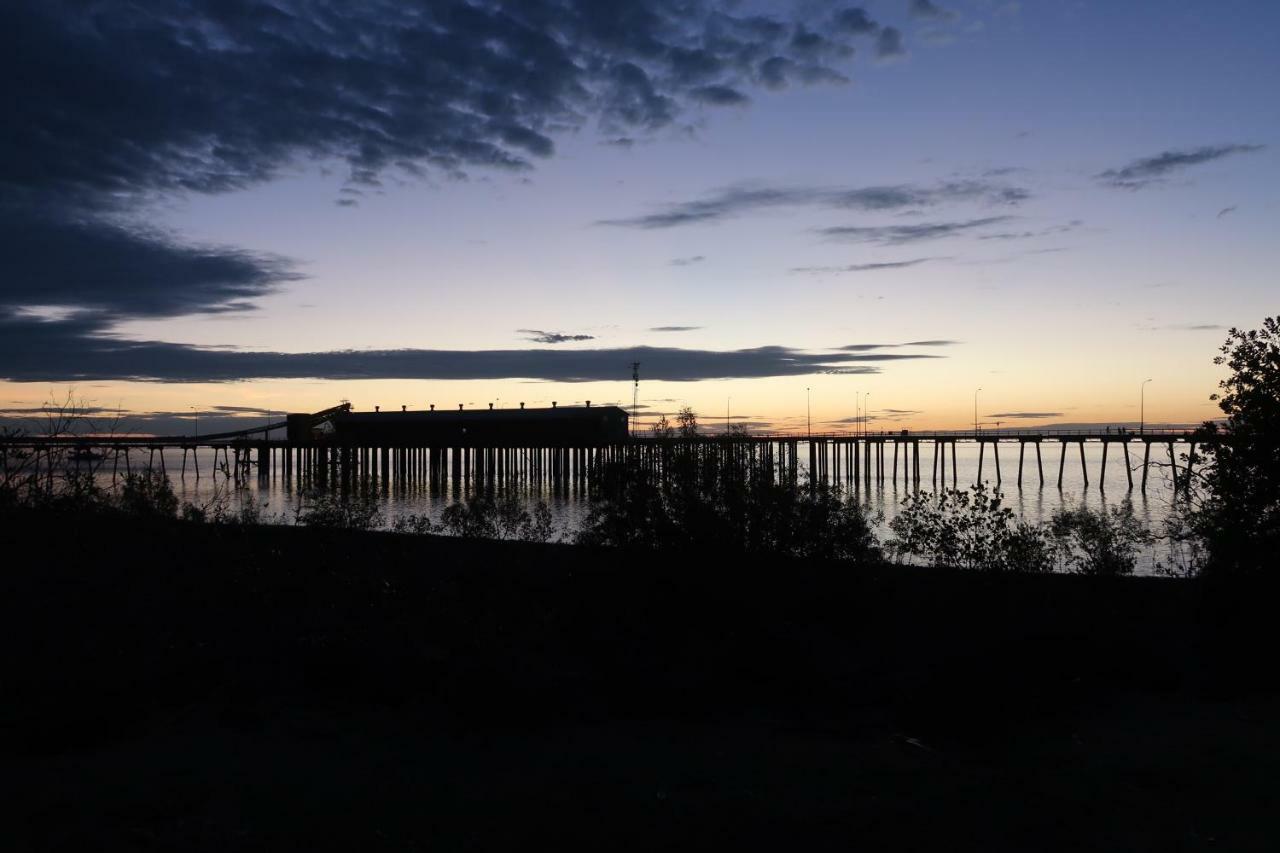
(635, 393)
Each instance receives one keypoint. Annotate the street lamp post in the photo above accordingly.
(195, 419)
(808, 414)
(975, 412)
(866, 416)
(1142, 407)
(727, 400)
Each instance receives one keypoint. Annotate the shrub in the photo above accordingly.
(1102, 542)
(699, 495)
(344, 512)
(970, 530)
(483, 516)
(414, 524)
(147, 494)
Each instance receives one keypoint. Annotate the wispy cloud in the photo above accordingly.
(674, 328)
(869, 347)
(543, 337)
(1030, 234)
(887, 265)
(1150, 170)
(1024, 416)
(738, 200)
(1188, 327)
(686, 262)
(1226, 210)
(898, 235)
(879, 415)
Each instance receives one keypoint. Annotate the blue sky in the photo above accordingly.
(1083, 196)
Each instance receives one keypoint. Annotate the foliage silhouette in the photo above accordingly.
(147, 494)
(1100, 542)
(970, 530)
(483, 516)
(718, 494)
(1235, 505)
(337, 511)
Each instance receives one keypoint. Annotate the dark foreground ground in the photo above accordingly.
(172, 687)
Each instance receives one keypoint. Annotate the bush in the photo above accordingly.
(147, 494)
(343, 512)
(970, 530)
(414, 524)
(701, 495)
(484, 517)
(1103, 542)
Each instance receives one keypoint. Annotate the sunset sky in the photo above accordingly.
(243, 207)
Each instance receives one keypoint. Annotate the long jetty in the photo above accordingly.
(860, 459)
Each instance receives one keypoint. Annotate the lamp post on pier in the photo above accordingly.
(975, 412)
(1142, 408)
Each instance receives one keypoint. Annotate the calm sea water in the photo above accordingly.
(279, 496)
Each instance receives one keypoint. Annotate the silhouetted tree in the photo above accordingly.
(712, 495)
(1237, 509)
(661, 428)
(1101, 542)
(687, 423)
(970, 530)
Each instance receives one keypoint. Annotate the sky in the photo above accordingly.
(220, 210)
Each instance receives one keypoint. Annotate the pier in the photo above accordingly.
(565, 448)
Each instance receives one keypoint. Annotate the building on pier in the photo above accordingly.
(576, 426)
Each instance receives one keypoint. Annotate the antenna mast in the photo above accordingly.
(635, 393)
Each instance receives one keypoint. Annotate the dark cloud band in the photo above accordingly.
(76, 348)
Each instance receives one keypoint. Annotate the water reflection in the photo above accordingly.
(211, 476)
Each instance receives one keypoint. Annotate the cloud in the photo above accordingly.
(928, 10)
(124, 269)
(686, 262)
(741, 199)
(879, 415)
(1027, 235)
(1226, 210)
(211, 97)
(854, 21)
(126, 105)
(1151, 170)
(898, 235)
(543, 337)
(719, 96)
(674, 328)
(889, 44)
(1024, 416)
(240, 410)
(1188, 327)
(889, 265)
(79, 348)
(96, 420)
(868, 347)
